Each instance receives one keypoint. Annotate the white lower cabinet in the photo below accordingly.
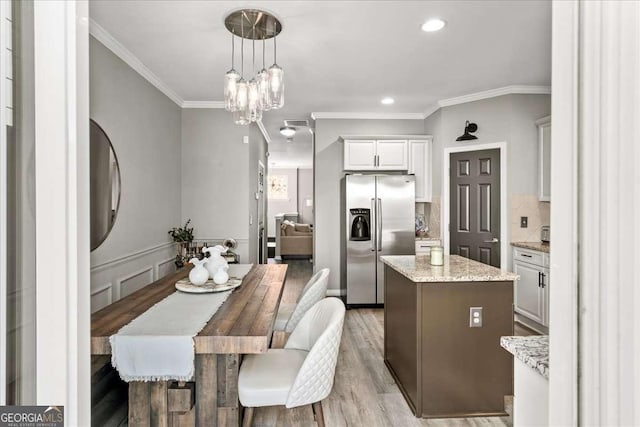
(531, 396)
(531, 297)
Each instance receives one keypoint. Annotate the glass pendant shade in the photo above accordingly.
(231, 79)
(253, 99)
(264, 94)
(276, 86)
(241, 114)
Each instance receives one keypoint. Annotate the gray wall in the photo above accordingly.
(507, 118)
(328, 174)
(219, 178)
(144, 128)
(305, 192)
(510, 119)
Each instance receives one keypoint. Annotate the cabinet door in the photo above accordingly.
(544, 161)
(392, 154)
(420, 166)
(529, 296)
(359, 154)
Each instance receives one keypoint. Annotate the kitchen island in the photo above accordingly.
(445, 363)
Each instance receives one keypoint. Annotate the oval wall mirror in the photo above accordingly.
(105, 185)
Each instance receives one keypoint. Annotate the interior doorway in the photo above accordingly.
(290, 197)
(474, 205)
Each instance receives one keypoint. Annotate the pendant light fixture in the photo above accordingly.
(276, 81)
(241, 112)
(265, 90)
(231, 79)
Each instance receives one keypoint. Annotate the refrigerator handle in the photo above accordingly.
(373, 229)
(379, 224)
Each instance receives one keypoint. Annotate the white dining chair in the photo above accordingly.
(302, 372)
(289, 315)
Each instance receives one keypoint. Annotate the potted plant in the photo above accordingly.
(182, 236)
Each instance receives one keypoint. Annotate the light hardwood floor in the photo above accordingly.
(364, 393)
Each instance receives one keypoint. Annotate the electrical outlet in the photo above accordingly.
(524, 221)
(475, 317)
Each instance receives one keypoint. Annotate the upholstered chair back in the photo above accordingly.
(313, 291)
(319, 332)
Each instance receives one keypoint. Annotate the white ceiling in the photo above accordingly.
(342, 56)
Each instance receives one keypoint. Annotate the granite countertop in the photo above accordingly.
(533, 351)
(535, 246)
(455, 269)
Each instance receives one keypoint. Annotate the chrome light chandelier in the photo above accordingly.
(265, 89)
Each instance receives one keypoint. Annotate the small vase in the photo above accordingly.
(198, 274)
(221, 277)
(215, 260)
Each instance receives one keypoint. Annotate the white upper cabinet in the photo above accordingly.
(359, 154)
(420, 166)
(375, 154)
(392, 154)
(544, 159)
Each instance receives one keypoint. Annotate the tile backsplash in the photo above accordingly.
(537, 212)
(521, 205)
(431, 213)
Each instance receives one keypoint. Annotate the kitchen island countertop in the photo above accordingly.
(533, 351)
(417, 268)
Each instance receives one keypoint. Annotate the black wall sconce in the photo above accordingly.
(469, 128)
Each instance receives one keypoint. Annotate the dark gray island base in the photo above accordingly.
(444, 367)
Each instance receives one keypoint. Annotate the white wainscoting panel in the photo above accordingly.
(165, 267)
(101, 297)
(135, 281)
(124, 275)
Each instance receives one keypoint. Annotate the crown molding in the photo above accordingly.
(110, 42)
(203, 104)
(366, 116)
(476, 96)
(492, 93)
(432, 109)
(264, 132)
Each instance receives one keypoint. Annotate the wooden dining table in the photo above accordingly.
(242, 325)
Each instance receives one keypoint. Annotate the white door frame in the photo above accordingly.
(3, 208)
(504, 212)
(563, 300)
(61, 53)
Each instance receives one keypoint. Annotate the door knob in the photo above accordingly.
(494, 240)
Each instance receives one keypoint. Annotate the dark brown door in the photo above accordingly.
(475, 205)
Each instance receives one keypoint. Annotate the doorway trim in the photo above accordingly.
(62, 258)
(3, 212)
(504, 212)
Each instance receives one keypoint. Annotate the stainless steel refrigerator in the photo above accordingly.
(378, 219)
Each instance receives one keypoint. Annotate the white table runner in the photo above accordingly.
(158, 345)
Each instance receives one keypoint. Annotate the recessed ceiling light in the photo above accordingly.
(388, 100)
(287, 131)
(434, 24)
